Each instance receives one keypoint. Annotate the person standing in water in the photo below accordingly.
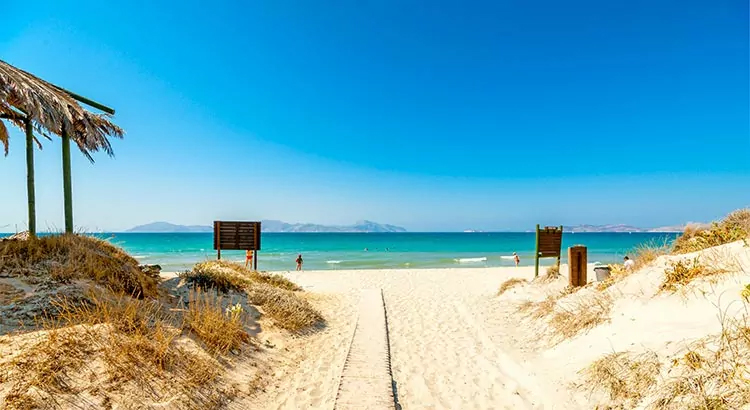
(299, 261)
(516, 259)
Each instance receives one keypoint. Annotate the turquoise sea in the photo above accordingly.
(179, 251)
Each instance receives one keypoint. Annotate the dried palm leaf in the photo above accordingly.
(52, 110)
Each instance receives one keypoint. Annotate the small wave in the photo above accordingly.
(507, 257)
(470, 260)
(333, 262)
(138, 256)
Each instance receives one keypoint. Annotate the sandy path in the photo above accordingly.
(441, 356)
(366, 381)
(308, 371)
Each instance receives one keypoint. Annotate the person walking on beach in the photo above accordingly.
(248, 258)
(299, 262)
(516, 259)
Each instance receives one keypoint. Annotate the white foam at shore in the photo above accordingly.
(471, 260)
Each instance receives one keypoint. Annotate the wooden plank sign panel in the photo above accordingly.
(237, 235)
(549, 242)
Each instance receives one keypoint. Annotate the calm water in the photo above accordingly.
(179, 251)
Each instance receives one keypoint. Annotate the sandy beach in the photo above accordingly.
(670, 333)
(442, 355)
(456, 344)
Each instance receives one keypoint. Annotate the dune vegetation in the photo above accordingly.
(274, 294)
(510, 284)
(64, 258)
(709, 371)
(734, 227)
(96, 330)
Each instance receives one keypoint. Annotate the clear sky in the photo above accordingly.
(432, 115)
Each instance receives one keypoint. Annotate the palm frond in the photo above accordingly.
(52, 110)
(4, 137)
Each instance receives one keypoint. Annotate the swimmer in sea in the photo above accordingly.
(516, 259)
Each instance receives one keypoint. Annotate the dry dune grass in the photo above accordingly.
(108, 349)
(273, 293)
(510, 284)
(616, 274)
(133, 347)
(642, 256)
(580, 314)
(626, 377)
(714, 373)
(287, 310)
(646, 253)
(552, 274)
(680, 273)
(222, 330)
(224, 276)
(711, 374)
(546, 306)
(67, 257)
(735, 227)
(540, 309)
(568, 314)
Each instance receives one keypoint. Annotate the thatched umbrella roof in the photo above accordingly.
(51, 109)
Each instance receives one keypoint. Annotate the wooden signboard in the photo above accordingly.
(237, 235)
(548, 244)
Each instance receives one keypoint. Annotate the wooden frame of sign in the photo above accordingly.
(548, 245)
(237, 235)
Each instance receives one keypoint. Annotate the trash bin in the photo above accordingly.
(602, 272)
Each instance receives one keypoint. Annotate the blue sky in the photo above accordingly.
(431, 115)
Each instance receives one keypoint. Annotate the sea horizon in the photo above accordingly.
(179, 251)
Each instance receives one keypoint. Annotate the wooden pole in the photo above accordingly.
(67, 183)
(559, 252)
(31, 197)
(536, 253)
(217, 229)
(255, 261)
(87, 101)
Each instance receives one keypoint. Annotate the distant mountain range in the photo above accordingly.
(369, 226)
(625, 228)
(274, 226)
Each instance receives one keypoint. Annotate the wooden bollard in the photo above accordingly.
(577, 265)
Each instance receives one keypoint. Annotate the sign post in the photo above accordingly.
(548, 245)
(577, 265)
(237, 235)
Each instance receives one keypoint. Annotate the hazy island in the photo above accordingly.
(274, 226)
